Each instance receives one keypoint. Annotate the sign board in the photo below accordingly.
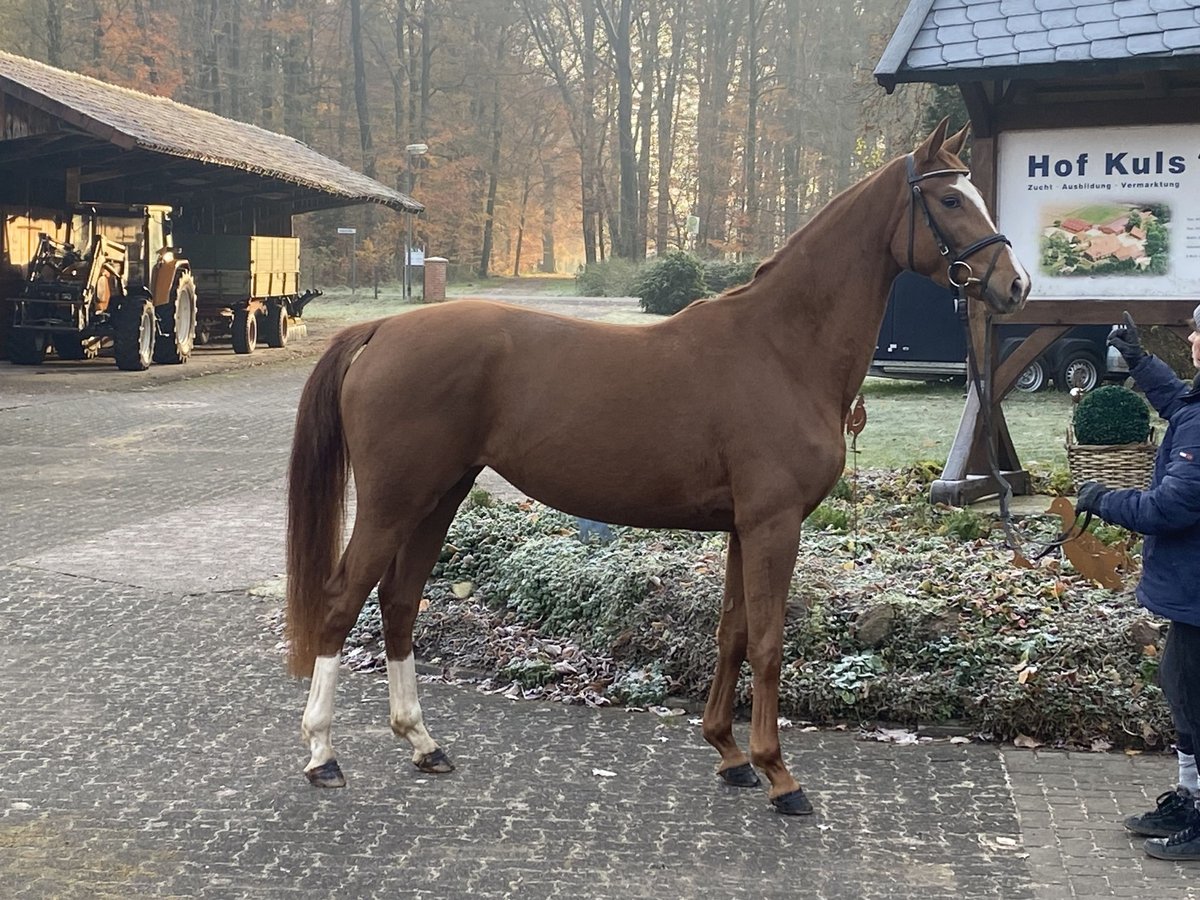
(1103, 213)
(347, 231)
(693, 225)
(416, 257)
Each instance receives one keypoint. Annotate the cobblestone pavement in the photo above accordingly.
(149, 737)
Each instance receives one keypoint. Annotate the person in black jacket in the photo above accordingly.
(1168, 515)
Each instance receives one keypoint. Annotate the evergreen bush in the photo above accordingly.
(607, 278)
(722, 274)
(670, 283)
(1111, 415)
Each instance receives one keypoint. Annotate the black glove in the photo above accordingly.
(1127, 341)
(1090, 493)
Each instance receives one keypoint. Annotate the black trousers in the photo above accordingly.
(1179, 678)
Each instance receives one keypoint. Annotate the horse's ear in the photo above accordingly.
(931, 145)
(956, 142)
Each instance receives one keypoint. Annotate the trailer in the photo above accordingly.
(247, 288)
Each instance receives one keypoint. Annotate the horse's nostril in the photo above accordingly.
(1017, 292)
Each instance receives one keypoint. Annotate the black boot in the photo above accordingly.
(1169, 817)
(1183, 845)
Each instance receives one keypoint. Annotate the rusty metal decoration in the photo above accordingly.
(856, 421)
(1091, 558)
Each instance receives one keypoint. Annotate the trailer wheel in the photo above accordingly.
(177, 321)
(276, 325)
(244, 331)
(1033, 379)
(1079, 369)
(133, 335)
(26, 348)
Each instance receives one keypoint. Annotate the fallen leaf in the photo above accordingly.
(1025, 742)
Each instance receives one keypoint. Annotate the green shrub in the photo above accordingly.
(722, 274)
(1111, 415)
(842, 490)
(965, 524)
(607, 278)
(1040, 652)
(828, 518)
(670, 283)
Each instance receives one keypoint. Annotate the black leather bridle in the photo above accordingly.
(959, 271)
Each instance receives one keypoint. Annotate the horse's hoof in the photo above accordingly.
(326, 775)
(742, 776)
(793, 804)
(435, 763)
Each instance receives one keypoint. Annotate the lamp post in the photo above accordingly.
(413, 151)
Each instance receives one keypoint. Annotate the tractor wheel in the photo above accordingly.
(26, 348)
(244, 331)
(177, 321)
(74, 347)
(276, 325)
(133, 339)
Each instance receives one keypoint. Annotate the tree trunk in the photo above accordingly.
(549, 263)
(666, 134)
(750, 173)
(489, 215)
(360, 88)
(618, 27)
(54, 33)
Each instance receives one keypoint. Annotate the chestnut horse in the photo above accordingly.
(725, 417)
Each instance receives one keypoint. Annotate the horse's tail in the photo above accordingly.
(317, 477)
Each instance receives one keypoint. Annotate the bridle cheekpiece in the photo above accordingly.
(959, 271)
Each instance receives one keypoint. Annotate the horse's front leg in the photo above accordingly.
(768, 557)
(735, 767)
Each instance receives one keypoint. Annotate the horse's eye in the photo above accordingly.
(950, 202)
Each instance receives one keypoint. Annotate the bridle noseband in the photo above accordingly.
(959, 271)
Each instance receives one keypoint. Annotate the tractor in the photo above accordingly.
(115, 281)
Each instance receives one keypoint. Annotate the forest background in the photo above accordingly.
(559, 132)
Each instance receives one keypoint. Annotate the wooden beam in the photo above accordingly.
(1026, 352)
(1102, 312)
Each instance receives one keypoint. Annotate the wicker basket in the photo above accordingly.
(1115, 465)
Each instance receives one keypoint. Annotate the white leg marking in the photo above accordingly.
(971, 194)
(318, 714)
(406, 720)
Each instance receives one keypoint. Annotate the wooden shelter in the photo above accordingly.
(1070, 101)
(67, 139)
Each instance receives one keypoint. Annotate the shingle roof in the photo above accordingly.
(953, 40)
(132, 119)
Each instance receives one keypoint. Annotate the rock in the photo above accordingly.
(1143, 632)
(873, 626)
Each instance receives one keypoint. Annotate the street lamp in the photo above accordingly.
(413, 151)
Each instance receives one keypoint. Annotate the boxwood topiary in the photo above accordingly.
(1112, 415)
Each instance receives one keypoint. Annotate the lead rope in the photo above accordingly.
(983, 391)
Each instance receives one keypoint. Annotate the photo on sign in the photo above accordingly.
(1105, 238)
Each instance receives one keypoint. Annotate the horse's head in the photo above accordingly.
(946, 231)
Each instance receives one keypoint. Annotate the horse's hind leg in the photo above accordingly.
(735, 768)
(399, 600)
(366, 556)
